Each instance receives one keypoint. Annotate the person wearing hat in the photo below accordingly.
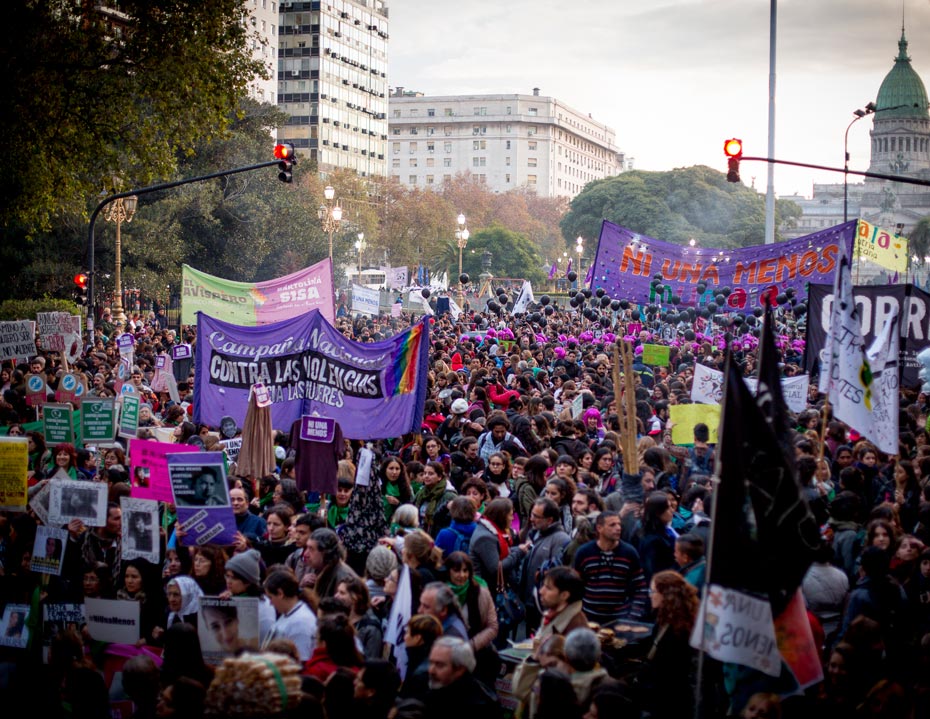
(451, 430)
(244, 579)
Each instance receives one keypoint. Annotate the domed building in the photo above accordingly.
(900, 146)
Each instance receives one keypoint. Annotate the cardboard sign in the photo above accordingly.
(14, 626)
(48, 550)
(149, 467)
(655, 355)
(14, 464)
(71, 388)
(78, 499)
(227, 627)
(232, 447)
(129, 415)
(198, 484)
(98, 420)
(180, 352)
(140, 529)
(17, 339)
(685, 416)
(58, 424)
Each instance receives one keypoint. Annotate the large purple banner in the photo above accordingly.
(626, 263)
(373, 391)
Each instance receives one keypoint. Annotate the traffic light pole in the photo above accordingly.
(91, 274)
(876, 175)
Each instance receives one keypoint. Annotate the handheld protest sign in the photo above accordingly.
(35, 390)
(198, 484)
(71, 388)
(14, 465)
(58, 424)
(227, 627)
(48, 550)
(228, 427)
(14, 627)
(140, 529)
(78, 499)
(98, 420)
(129, 415)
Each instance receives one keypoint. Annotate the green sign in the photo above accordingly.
(58, 426)
(129, 416)
(655, 355)
(98, 420)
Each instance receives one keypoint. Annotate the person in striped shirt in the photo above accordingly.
(615, 587)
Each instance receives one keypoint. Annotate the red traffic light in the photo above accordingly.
(80, 280)
(733, 148)
(284, 151)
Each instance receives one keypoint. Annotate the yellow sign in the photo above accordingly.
(14, 463)
(882, 247)
(685, 416)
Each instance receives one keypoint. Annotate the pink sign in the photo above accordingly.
(148, 462)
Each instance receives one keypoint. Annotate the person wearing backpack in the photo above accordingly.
(548, 543)
(456, 537)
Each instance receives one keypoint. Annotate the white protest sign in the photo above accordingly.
(140, 529)
(365, 300)
(707, 388)
(77, 499)
(113, 620)
(17, 339)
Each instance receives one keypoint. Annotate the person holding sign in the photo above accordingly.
(64, 464)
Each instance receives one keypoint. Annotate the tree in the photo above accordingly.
(513, 255)
(678, 205)
(93, 91)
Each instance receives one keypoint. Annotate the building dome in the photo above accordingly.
(902, 86)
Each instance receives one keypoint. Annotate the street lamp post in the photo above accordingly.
(869, 109)
(330, 215)
(119, 211)
(361, 246)
(461, 240)
(579, 248)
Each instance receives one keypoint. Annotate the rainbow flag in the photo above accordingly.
(406, 359)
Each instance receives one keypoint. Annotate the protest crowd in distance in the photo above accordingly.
(583, 506)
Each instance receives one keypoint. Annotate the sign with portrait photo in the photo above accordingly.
(48, 550)
(148, 462)
(227, 627)
(140, 529)
(14, 631)
(198, 485)
(59, 617)
(40, 500)
(77, 499)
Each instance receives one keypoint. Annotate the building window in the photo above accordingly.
(447, 147)
(507, 145)
(413, 162)
(447, 131)
(531, 179)
(509, 128)
(507, 110)
(532, 112)
(507, 178)
(481, 111)
(430, 161)
(412, 179)
(431, 147)
(414, 112)
(396, 113)
(531, 130)
(507, 161)
(447, 162)
(395, 131)
(447, 111)
(479, 161)
(447, 178)
(431, 112)
(395, 147)
(395, 162)
(479, 145)
(413, 147)
(531, 145)
(429, 179)
(531, 162)
(482, 179)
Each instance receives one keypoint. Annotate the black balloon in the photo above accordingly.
(705, 313)
(549, 310)
(751, 320)
(790, 292)
(544, 300)
(615, 305)
(711, 307)
(605, 301)
(493, 306)
(726, 291)
(657, 276)
(464, 278)
(600, 292)
(800, 310)
(758, 311)
(624, 304)
(720, 299)
(572, 276)
(701, 288)
(689, 335)
(425, 293)
(676, 300)
(635, 315)
(542, 320)
(587, 292)
(572, 293)
(659, 289)
(605, 322)
(781, 299)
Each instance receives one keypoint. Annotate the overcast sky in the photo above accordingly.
(674, 78)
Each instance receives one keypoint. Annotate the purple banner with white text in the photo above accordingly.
(630, 266)
(373, 390)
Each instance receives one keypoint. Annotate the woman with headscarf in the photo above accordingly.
(183, 595)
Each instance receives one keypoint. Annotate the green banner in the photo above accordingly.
(655, 355)
(98, 421)
(58, 424)
(129, 416)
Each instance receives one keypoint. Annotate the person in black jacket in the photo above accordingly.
(454, 692)
(656, 538)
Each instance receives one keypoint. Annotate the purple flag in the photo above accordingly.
(626, 262)
(552, 271)
(568, 267)
(589, 275)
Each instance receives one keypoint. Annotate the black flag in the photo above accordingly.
(764, 534)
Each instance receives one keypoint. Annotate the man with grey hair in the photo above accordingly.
(454, 693)
(326, 557)
(438, 600)
(583, 653)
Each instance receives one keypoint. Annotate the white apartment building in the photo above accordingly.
(263, 25)
(332, 81)
(504, 141)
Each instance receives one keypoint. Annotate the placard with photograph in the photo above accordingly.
(39, 502)
(113, 620)
(48, 550)
(149, 468)
(78, 499)
(14, 632)
(198, 484)
(59, 617)
(140, 529)
(227, 627)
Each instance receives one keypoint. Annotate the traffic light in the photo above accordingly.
(284, 151)
(80, 280)
(733, 149)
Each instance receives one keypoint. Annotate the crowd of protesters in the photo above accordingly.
(508, 514)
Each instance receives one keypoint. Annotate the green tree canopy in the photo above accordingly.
(122, 88)
(513, 255)
(692, 202)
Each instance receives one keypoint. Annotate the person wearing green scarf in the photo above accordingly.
(478, 612)
(338, 510)
(64, 461)
(432, 499)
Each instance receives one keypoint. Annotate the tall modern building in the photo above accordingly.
(504, 141)
(263, 23)
(900, 146)
(332, 82)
